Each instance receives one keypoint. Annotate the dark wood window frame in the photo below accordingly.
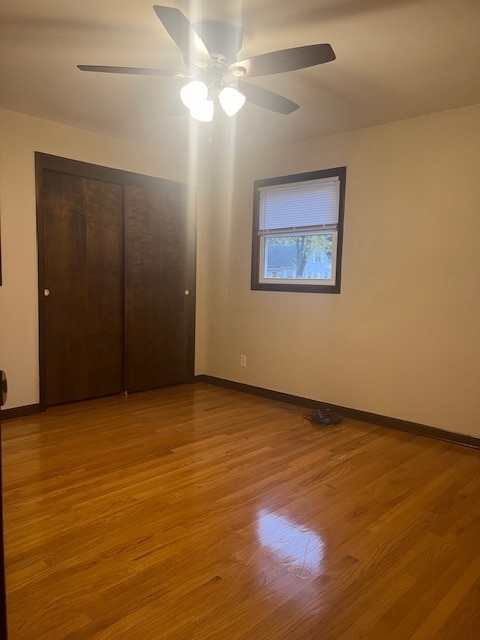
(256, 283)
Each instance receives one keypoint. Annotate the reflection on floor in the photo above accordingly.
(293, 545)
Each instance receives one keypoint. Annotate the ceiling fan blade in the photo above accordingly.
(138, 71)
(184, 36)
(283, 60)
(266, 99)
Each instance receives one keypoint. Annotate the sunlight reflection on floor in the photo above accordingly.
(292, 545)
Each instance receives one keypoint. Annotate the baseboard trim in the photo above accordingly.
(356, 414)
(21, 412)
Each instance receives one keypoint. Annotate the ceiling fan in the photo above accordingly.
(210, 51)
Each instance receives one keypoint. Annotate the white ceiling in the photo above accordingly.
(395, 59)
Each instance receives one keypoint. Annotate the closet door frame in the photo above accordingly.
(49, 162)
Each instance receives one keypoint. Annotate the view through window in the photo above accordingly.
(298, 231)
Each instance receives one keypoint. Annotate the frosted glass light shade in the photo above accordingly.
(193, 92)
(231, 100)
(203, 111)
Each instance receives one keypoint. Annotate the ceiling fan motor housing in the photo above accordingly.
(223, 41)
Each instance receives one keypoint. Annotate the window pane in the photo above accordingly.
(306, 257)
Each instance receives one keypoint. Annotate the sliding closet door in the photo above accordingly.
(159, 300)
(83, 286)
(116, 281)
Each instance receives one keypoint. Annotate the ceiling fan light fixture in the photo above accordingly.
(193, 93)
(202, 111)
(231, 100)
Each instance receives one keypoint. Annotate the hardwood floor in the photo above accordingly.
(201, 513)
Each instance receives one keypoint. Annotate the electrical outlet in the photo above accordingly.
(243, 361)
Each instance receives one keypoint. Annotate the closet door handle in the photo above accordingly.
(46, 292)
(187, 292)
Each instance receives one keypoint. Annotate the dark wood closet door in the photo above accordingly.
(159, 297)
(83, 277)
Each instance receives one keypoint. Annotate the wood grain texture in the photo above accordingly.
(3, 599)
(198, 512)
(117, 252)
(158, 314)
(82, 241)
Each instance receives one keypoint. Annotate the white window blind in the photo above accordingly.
(301, 205)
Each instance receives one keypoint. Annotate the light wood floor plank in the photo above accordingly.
(200, 513)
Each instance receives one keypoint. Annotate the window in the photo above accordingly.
(298, 232)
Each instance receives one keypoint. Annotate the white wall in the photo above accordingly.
(20, 137)
(403, 337)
